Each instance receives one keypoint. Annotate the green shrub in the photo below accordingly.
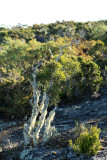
(90, 79)
(88, 142)
(86, 81)
(14, 99)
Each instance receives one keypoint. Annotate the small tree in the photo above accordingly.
(40, 103)
(38, 107)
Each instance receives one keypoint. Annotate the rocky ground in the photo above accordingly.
(89, 112)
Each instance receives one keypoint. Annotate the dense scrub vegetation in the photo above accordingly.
(77, 72)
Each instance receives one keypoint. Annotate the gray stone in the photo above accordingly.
(5, 125)
(24, 153)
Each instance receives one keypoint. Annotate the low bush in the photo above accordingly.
(88, 142)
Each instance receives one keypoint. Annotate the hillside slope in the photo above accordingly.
(90, 112)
